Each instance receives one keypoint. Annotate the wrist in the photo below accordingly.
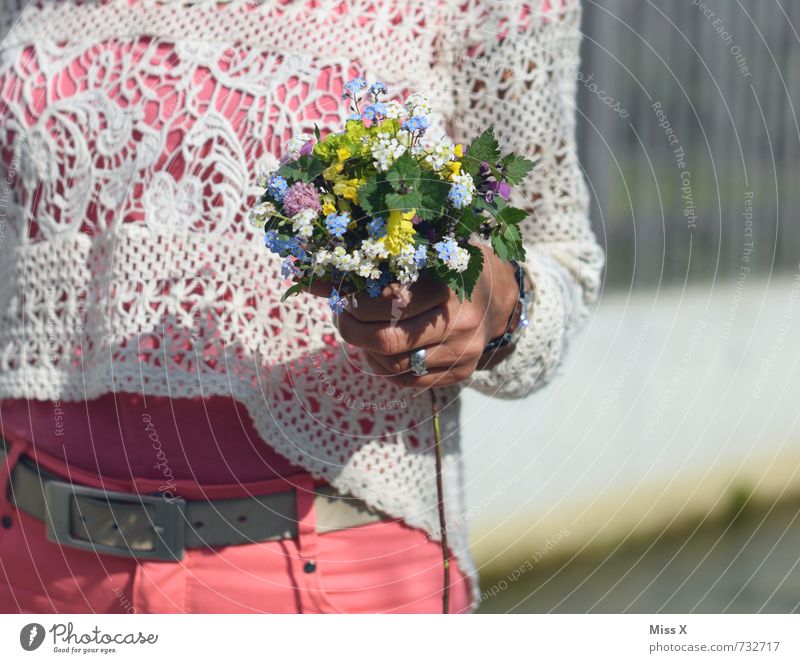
(502, 344)
(505, 303)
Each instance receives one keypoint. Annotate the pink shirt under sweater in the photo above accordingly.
(124, 436)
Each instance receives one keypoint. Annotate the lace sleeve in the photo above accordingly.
(513, 66)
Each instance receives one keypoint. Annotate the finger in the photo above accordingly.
(437, 377)
(390, 338)
(466, 350)
(436, 356)
(398, 302)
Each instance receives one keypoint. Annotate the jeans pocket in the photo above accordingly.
(384, 567)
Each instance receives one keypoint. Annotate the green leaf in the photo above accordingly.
(316, 132)
(507, 243)
(512, 234)
(433, 193)
(462, 283)
(512, 215)
(500, 246)
(372, 196)
(483, 148)
(303, 169)
(472, 273)
(297, 287)
(480, 203)
(405, 172)
(468, 223)
(516, 168)
(358, 281)
(404, 201)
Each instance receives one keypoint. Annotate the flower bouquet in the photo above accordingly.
(379, 203)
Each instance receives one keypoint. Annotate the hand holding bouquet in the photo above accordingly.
(378, 203)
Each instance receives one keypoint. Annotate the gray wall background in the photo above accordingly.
(727, 76)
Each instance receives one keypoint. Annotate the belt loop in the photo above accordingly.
(306, 517)
(12, 454)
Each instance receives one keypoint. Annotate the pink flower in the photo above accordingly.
(301, 196)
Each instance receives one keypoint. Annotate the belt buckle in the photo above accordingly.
(168, 521)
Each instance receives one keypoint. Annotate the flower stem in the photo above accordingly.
(440, 499)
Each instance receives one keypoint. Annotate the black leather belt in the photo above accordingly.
(161, 528)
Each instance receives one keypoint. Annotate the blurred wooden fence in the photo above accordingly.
(724, 77)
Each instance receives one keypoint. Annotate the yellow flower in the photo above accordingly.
(455, 167)
(347, 188)
(343, 153)
(328, 208)
(332, 171)
(458, 150)
(399, 231)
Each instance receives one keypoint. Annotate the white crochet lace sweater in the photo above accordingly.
(131, 132)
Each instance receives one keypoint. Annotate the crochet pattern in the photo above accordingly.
(131, 135)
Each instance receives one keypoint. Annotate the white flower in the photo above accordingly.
(340, 259)
(368, 269)
(440, 153)
(374, 249)
(394, 110)
(260, 213)
(418, 104)
(387, 149)
(464, 179)
(321, 260)
(460, 261)
(404, 265)
(303, 222)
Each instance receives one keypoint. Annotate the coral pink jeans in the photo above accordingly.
(380, 567)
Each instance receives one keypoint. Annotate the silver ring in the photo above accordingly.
(418, 366)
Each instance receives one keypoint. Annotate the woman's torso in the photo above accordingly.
(133, 162)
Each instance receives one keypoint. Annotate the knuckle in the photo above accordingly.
(469, 317)
(389, 341)
(396, 363)
(473, 351)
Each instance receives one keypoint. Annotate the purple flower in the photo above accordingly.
(501, 189)
(307, 148)
(301, 196)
